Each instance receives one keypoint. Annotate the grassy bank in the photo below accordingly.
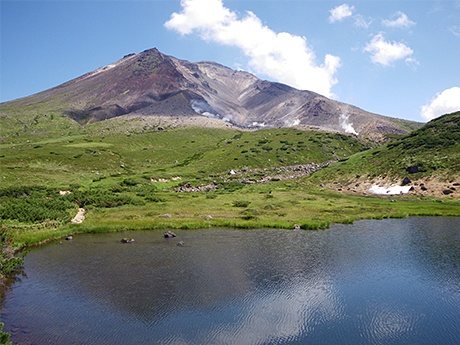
(278, 204)
(131, 177)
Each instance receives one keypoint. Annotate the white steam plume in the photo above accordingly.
(291, 122)
(281, 56)
(346, 125)
(203, 108)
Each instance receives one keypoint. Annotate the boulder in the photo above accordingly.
(412, 169)
(169, 234)
(406, 181)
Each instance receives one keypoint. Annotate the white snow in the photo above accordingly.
(389, 190)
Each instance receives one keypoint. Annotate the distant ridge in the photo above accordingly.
(154, 84)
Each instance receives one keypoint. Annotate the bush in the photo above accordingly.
(129, 182)
(30, 204)
(154, 198)
(241, 203)
(8, 262)
(102, 198)
(250, 214)
(4, 337)
(31, 210)
(21, 191)
(230, 186)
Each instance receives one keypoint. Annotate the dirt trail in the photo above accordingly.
(80, 217)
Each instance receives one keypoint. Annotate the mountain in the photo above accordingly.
(154, 84)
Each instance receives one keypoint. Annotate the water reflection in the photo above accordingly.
(389, 281)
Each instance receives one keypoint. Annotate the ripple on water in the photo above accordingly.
(372, 282)
(388, 324)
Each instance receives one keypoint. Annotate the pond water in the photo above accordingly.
(374, 282)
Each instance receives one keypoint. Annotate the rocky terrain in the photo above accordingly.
(154, 84)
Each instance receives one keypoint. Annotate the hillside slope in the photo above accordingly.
(428, 159)
(102, 155)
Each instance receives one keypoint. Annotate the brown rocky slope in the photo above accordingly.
(154, 84)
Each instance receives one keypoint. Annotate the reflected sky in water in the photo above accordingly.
(390, 281)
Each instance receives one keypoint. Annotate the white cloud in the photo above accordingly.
(362, 22)
(455, 30)
(412, 63)
(384, 52)
(282, 56)
(341, 12)
(445, 102)
(398, 20)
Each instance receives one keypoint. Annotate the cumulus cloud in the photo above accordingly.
(398, 20)
(385, 53)
(445, 102)
(281, 56)
(341, 12)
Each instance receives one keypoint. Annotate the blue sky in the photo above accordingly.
(395, 58)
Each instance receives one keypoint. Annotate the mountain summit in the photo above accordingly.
(154, 84)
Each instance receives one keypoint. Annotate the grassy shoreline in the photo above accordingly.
(191, 178)
(313, 210)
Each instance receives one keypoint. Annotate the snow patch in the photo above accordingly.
(389, 190)
(258, 124)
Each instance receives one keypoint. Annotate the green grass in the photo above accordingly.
(127, 177)
(192, 153)
(434, 149)
(272, 205)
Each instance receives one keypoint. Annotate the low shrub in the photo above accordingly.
(4, 336)
(31, 210)
(241, 203)
(103, 198)
(31, 204)
(154, 198)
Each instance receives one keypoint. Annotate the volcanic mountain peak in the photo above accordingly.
(152, 83)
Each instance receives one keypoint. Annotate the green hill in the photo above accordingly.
(104, 153)
(429, 157)
(129, 173)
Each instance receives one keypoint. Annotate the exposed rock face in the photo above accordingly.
(153, 84)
